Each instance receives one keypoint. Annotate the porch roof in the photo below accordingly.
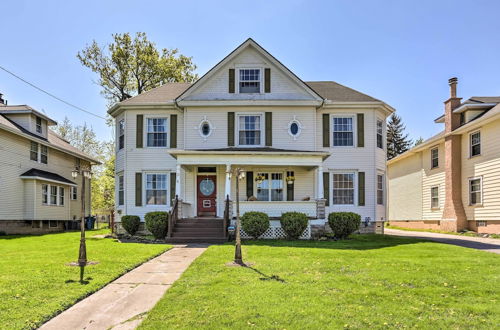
(250, 156)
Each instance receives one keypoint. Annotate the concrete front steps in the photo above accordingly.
(198, 230)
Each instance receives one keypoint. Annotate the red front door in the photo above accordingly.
(207, 193)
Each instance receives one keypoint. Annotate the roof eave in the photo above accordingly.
(118, 108)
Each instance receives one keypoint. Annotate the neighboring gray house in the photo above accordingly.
(313, 147)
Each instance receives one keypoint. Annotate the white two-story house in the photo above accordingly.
(313, 147)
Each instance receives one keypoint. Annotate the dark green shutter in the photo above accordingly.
(230, 129)
(326, 187)
(361, 130)
(231, 80)
(138, 189)
(138, 131)
(326, 130)
(267, 80)
(289, 187)
(249, 184)
(172, 186)
(269, 129)
(361, 188)
(173, 131)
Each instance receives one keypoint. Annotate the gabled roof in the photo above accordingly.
(249, 43)
(336, 92)
(23, 108)
(35, 173)
(165, 93)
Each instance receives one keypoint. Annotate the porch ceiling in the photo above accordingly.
(240, 156)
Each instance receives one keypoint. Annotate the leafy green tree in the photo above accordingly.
(397, 140)
(132, 65)
(420, 140)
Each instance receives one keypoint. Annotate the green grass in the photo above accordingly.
(467, 233)
(370, 281)
(36, 283)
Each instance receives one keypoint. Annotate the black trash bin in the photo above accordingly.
(89, 222)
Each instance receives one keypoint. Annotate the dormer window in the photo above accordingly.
(249, 81)
(39, 125)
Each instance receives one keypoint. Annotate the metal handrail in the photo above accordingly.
(226, 220)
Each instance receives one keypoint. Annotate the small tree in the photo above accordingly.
(397, 140)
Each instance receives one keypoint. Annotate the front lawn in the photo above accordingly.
(369, 282)
(36, 283)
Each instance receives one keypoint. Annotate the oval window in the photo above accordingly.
(205, 129)
(207, 187)
(294, 128)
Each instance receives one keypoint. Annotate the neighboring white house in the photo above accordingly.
(313, 147)
(37, 191)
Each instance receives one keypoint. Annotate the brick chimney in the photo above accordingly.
(454, 218)
(2, 101)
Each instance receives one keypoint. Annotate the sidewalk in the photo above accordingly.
(123, 304)
(479, 243)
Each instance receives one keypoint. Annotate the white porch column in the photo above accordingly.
(228, 182)
(178, 181)
(319, 177)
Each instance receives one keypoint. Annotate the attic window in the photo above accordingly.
(249, 81)
(39, 125)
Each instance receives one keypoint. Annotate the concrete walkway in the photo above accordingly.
(123, 304)
(479, 243)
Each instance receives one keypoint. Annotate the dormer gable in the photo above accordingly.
(28, 119)
(249, 73)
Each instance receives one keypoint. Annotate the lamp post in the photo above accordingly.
(238, 259)
(82, 254)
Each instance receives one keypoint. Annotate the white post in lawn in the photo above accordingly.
(178, 181)
(319, 177)
(228, 182)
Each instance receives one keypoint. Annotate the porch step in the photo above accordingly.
(191, 230)
(195, 240)
(180, 230)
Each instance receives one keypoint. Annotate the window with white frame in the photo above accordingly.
(44, 150)
(45, 194)
(475, 144)
(343, 132)
(53, 195)
(156, 132)
(34, 151)
(156, 189)
(435, 197)
(380, 136)
(39, 125)
(121, 134)
(61, 196)
(74, 194)
(380, 189)
(269, 187)
(343, 188)
(435, 157)
(475, 191)
(121, 190)
(249, 81)
(249, 130)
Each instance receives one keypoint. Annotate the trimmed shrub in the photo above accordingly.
(131, 223)
(294, 224)
(156, 223)
(255, 223)
(344, 224)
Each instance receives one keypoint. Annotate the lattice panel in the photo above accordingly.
(277, 233)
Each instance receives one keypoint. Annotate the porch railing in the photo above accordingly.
(173, 216)
(227, 217)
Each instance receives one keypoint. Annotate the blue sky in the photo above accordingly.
(401, 52)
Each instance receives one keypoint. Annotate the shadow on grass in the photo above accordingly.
(88, 232)
(356, 242)
(266, 277)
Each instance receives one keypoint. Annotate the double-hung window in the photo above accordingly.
(157, 132)
(343, 132)
(250, 130)
(121, 190)
(380, 189)
(380, 136)
(249, 81)
(269, 187)
(475, 191)
(61, 196)
(74, 194)
(156, 189)
(39, 125)
(34, 151)
(45, 194)
(435, 197)
(343, 188)
(475, 144)
(434, 157)
(121, 134)
(43, 154)
(53, 195)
